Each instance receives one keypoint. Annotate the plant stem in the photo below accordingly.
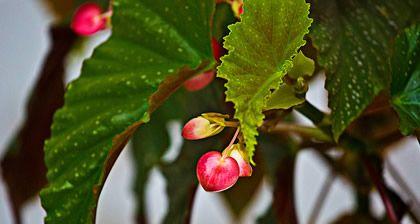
(228, 149)
(378, 182)
(311, 112)
(413, 202)
(311, 132)
(231, 124)
(234, 138)
(319, 202)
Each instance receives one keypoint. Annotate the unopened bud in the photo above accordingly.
(203, 126)
(200, 81)
(89, 19)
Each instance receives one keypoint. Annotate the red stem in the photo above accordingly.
(234, 138)
(378, 181)
(228, 149)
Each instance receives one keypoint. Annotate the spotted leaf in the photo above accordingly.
(353, 39)
(405, 86)
(261, 48)
(155, 45)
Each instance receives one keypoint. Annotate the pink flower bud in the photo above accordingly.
(200, 81)
(199, 128)
(88, 19)
(245, 168)
(217, 173)
(217, 49)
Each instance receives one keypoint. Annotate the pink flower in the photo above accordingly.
(217, 173)
(88, 19)
(200, 81)
(199, 128)
(245, 168)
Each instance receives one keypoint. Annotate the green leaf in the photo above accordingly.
(302, 66)
(405, 86)
(283, 98)
(154, 47)
(353, 39)
(261, 48)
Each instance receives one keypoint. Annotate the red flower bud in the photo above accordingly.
(199, 128)
(241, 9)
(88, 19)
(198, 82)
(245, 168)
(217, 173)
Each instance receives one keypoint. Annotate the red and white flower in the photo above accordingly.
(216, 172)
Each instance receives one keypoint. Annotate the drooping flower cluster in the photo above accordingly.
(217, 171)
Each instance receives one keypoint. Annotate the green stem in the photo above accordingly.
(310, 132)
(231, 124)
(311, 112)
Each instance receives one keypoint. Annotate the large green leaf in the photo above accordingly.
(353, 38)
(154, 47)
(405, 86)
(261, 48)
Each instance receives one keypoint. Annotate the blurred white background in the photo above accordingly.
(23, 44)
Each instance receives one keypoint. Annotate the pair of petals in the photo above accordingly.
(216, 172)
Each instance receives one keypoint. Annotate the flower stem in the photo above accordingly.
(232, 124)
(228, 149)
(234, 138)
